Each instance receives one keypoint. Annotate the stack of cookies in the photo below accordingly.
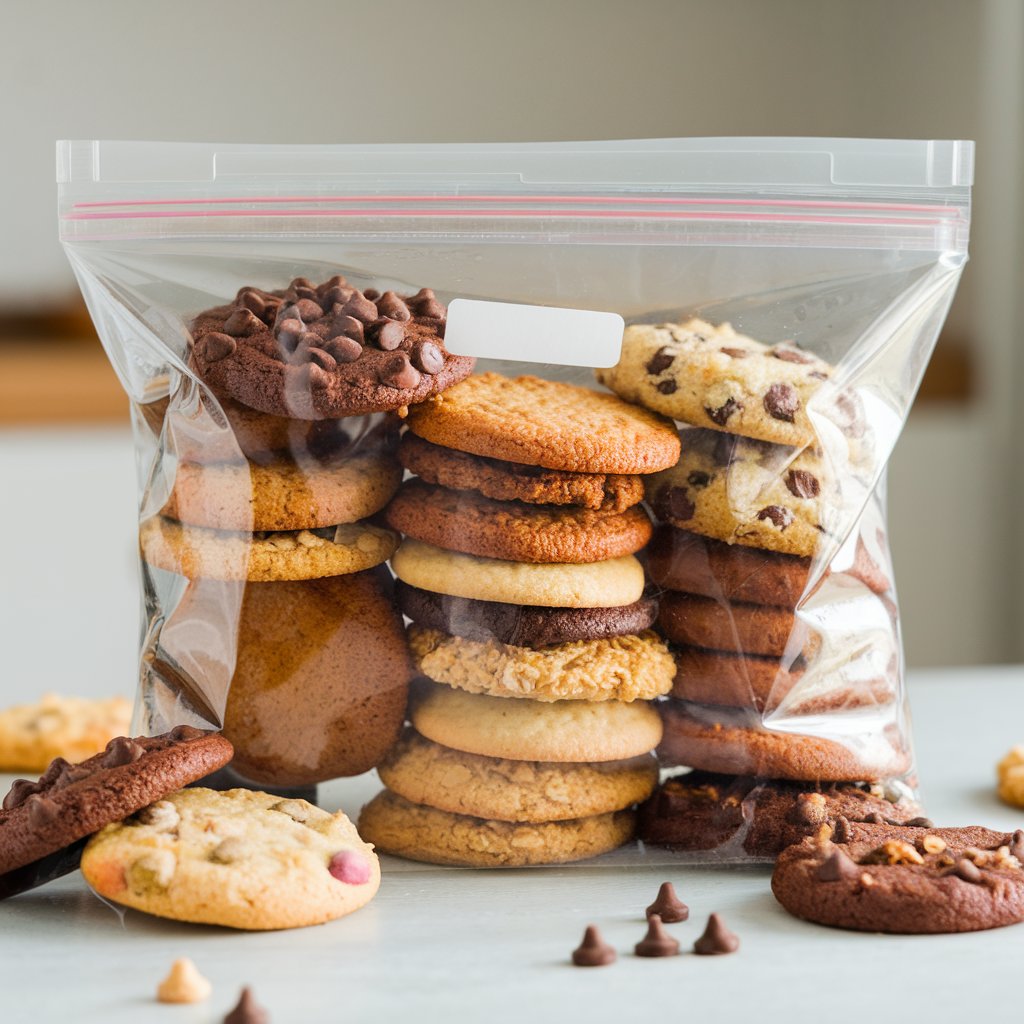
(784, 636)
(533, 740)
(282, 626)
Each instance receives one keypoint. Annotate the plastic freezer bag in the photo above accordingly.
(547, 480)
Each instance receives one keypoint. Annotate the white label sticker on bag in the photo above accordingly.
(533, 334)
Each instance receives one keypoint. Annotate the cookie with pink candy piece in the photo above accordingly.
(239, 859)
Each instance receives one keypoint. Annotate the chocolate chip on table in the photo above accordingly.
(390, 335)
(802, 484)
(781, 402)
(717, 939)
(724, 411)
(659, 362)
(241, 323)
(657, 941)
(247, 1010)
(398, 372)
(779, 516)
(668, 906)
(216, 346)
(428, 358)
(837, 867)
(593, 951)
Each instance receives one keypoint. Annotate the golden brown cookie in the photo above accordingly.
(723, 740)
(32, 735)
(200, 553)
(281, 495)
(239, 859)
(320, 671)
(424, 772)
(622, 668)
(514, 481)
(1011, 777)
(546, 423)
(415, 832)
(513, 530)
(530, 730)
(711, 376)
(608, 584)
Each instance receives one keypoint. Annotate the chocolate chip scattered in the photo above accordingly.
(390, 335)
(335, 296)
(593, 951)
(781, 402)
(349, 326)
(967, 871)
(791, 355)
(252, 301)
(216, 346)
(121, 750)
(391, 306)
(668, 906)
(667, 387)
(247, 1011)
(802, 484)
(724, 411)
(674, 503)
(337, 281)
(779, 516)
(735, 353)
(322, 359)
(427, 305)
(361, 308)
(657, 941)
(399, 373)
(242, 323)
(717, 939)
(372, 293)
(344, 349)
(837, 868)
(428, 358)
(698, 478)
(20, 791)
(308, 310)
(41, 810)
(660, 361)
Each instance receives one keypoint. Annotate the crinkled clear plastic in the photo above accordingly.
(769, 562)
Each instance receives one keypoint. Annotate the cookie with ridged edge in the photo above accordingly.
(200, 553)
(522, 625)
(608, 584)
(281, 495)
(739, 628)
(622, 668)
(750, 493)
(32, 735)
(70, 802)
(904, 880)
(711, 376)
(323, 351)
(546, 423)
(530, 730)
(513, 530)
(424, 772)
(680, 560)
(740, 815)
(515, 481)
(733, 742)
(426, 834)
(763, 684)
(237, 858)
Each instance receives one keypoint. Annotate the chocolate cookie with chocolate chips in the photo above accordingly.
(908, 881)
(315, 352)
(43, 824)
(745, 816)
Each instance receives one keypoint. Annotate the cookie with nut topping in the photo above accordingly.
(322, 351)
(43, 824)
(239, 859)
(712, 376)
(904, 880)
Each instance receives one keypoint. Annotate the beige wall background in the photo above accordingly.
(398, 70)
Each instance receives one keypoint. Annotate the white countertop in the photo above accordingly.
(444, 944)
